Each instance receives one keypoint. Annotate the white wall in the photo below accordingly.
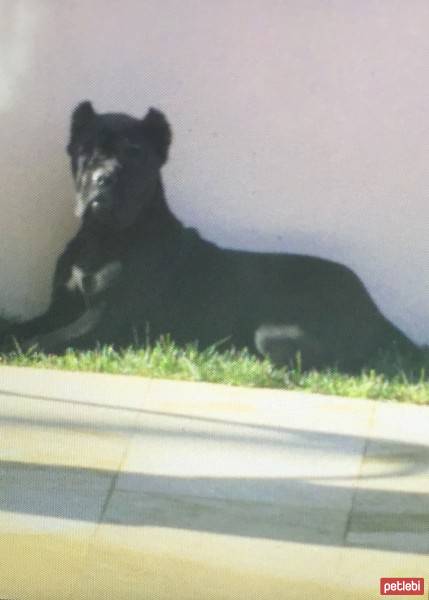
(300, 125)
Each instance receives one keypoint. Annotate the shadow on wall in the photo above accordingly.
(34, 168)
(311, 509)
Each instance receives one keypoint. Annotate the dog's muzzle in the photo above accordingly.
(101, 204)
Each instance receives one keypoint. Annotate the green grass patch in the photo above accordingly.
(392, 381)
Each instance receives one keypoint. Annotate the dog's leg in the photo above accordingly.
(65, 308)
(63, 337)
(288, 344)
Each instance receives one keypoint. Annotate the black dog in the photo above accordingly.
(134, 272)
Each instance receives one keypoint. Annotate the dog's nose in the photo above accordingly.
(101, 203)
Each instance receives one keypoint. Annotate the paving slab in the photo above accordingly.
(123, 487)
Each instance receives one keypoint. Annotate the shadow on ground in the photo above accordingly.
(314, 510)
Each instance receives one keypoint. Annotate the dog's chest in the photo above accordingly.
(92, 282)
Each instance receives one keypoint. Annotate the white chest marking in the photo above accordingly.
(75, 280)
(100, 280)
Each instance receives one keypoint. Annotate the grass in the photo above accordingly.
(166, 360)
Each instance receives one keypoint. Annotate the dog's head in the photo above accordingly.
(115, 162)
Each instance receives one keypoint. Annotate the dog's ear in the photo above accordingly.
(82, 118)
(82, 115)
(157, 131)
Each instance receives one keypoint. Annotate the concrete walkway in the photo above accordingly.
(123, 488)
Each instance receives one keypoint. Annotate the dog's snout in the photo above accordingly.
(104, 175)
(103, 179)
(101, 202)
